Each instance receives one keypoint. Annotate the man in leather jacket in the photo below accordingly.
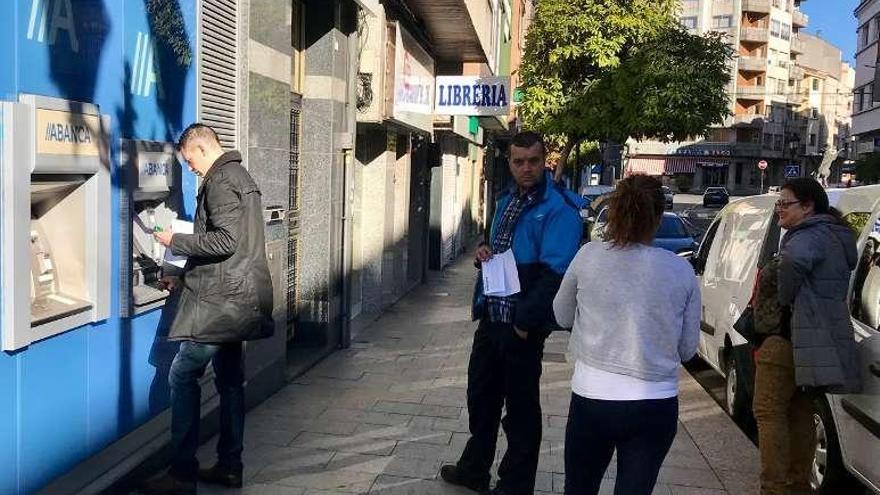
(225, 299)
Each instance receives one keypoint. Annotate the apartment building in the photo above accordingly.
(822, 102)
(866, 110)
(767, 40)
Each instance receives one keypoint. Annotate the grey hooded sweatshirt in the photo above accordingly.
(816, 260)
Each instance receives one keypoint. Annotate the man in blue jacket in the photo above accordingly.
(543, 229)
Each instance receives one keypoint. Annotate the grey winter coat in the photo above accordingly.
(816, 260)
(226, 293)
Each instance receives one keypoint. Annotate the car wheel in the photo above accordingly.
(736, 399)
(828, 474)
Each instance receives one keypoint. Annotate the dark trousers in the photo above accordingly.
(504, 371)
(187, 368)
(642, 431)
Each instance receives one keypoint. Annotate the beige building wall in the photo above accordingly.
(866, 113)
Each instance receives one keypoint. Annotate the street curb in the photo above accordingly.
(729, 452)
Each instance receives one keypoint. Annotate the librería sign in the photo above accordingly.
(472, 95)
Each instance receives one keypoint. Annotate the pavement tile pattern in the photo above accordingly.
(382, 416)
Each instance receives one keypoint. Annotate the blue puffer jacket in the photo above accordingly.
(545, 240)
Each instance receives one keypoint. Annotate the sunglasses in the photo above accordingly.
(781, 205)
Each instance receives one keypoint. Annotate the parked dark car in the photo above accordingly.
(669, 197)
(715, 196)
(674, 233)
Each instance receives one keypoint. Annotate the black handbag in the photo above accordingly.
(745, 325)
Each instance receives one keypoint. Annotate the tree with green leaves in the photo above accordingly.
(608, 70)
(868, 168)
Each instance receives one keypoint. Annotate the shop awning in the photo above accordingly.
(671, 165)
(645, 166)
(681, 165)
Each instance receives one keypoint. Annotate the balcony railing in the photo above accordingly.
(749, 119)
(755, 34)
(753, 64)
(747, 149)
(759, 6)
(799, 19)
(798, 46)
(751, 92)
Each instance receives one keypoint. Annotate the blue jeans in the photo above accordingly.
(186, 396)
(641, 431)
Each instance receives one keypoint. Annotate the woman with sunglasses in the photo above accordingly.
(813, 349)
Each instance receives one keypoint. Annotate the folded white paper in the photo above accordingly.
(500, 277)
(178, 227)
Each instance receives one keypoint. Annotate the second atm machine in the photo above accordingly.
(54, 218)
(153, 202)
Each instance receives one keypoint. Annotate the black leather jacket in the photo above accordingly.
(226, 289)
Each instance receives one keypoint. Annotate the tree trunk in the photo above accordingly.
(563, 158)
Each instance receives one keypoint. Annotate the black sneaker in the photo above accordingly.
(454, 475)
(219, 475)
(167, 484)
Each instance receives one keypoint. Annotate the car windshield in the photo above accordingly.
(715, 190)
(671, 227)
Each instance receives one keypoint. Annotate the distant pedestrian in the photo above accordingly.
(226, 299)
(808, 343)
(635, 313)
(543, 230)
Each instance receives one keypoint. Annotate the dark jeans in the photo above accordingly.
(642, 431)
(504, 370)
(187, 368)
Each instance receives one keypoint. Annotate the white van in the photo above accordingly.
(744, 236)
(848, 426)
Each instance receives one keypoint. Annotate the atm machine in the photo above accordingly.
(151, 202)
(54, 218)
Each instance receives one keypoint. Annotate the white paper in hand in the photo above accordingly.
(500, 277)
(178, 227)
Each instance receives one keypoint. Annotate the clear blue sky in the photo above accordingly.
(835, 22)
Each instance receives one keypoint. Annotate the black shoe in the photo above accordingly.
(167, 484)
(454, 475)
(219, 475)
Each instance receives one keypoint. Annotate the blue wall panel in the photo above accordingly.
(71, 395)
(9, 424)
(54, 424)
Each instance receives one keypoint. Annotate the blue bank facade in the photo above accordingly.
(66, 397)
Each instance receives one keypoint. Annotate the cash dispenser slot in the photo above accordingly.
(57, 243)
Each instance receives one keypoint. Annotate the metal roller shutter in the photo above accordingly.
(218, 69)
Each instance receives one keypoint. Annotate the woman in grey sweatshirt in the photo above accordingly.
(634, 311)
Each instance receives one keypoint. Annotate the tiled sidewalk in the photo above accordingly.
(382, 416)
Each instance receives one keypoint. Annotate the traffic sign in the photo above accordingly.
(762, 164)
(792, 171)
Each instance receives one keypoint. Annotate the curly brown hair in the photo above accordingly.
(635, 210)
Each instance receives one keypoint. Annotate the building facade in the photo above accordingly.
(775, 118)
(823, 105)
(866, 110)
(331, 103)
